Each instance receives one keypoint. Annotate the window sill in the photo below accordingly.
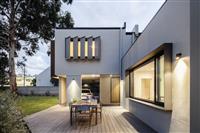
(149, 104)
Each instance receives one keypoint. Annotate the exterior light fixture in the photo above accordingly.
(178, 56)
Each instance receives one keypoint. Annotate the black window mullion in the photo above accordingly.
(155, 78)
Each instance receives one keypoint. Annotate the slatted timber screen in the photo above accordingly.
(82, 48)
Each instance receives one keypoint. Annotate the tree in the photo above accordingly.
(24, 22)
(33, 82)
(3, 69)
(22, 65)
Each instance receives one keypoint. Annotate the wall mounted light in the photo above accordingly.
(178, 56)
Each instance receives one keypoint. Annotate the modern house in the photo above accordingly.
(147, 73)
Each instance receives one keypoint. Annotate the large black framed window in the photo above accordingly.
(146, 80)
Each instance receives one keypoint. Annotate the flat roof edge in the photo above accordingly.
(90, 28)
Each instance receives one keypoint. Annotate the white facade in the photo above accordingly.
(170, 25)
(43, 79)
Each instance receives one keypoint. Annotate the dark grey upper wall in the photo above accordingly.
(195, 65)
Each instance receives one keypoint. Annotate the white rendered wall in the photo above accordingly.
(110, 55)
(43, 79)
(172, 24)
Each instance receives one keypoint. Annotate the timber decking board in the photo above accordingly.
(57, 120)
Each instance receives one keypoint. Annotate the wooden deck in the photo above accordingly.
(114, 120)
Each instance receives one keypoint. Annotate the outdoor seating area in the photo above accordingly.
(114, 119)
(83, 109)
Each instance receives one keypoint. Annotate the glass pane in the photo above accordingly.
(93, 48)
(160, 79)
(144, 82)
(86, 48)
(71, 49)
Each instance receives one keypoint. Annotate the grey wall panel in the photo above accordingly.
(67, 41)
(97, 48)
(90, 47)
(75, 40)
(82, 47)
(109, 62)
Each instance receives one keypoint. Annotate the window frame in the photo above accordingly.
(166, 48)
(131, 72)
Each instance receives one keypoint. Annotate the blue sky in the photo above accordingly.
(100, 13)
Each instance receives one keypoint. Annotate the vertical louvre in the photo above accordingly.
(90, 48)
(67, 49)
(97, 47)
(75, 40)
(82, 40)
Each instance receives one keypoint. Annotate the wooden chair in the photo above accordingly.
(83, 111)
(73, 110)
(99, 110)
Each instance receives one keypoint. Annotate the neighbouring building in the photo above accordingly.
(44, 78)
(147, 73)
(24, 81)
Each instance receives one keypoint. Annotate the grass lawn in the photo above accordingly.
(33, 104)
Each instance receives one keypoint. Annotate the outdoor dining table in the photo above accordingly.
(78, 104)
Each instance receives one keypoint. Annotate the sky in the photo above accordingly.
(99, 13)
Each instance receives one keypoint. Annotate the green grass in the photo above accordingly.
(33, 104)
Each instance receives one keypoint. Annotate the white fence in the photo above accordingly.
(38, 90)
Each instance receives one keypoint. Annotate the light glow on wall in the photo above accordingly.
(79, 49)
(93, 48)
(73, 90)
(86, 48)
(181, 71)
(71, 47)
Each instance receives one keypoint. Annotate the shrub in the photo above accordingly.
(32, 93)
(11, 120)
(47, 93)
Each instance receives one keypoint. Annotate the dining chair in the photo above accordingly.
(99, 110)
(84, 111)
(73, 110)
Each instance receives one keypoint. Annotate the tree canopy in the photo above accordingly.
(24, 22)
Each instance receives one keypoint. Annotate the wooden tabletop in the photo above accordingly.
(81, 103)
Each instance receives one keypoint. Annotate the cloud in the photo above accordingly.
(112, 13)
(99, 13)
